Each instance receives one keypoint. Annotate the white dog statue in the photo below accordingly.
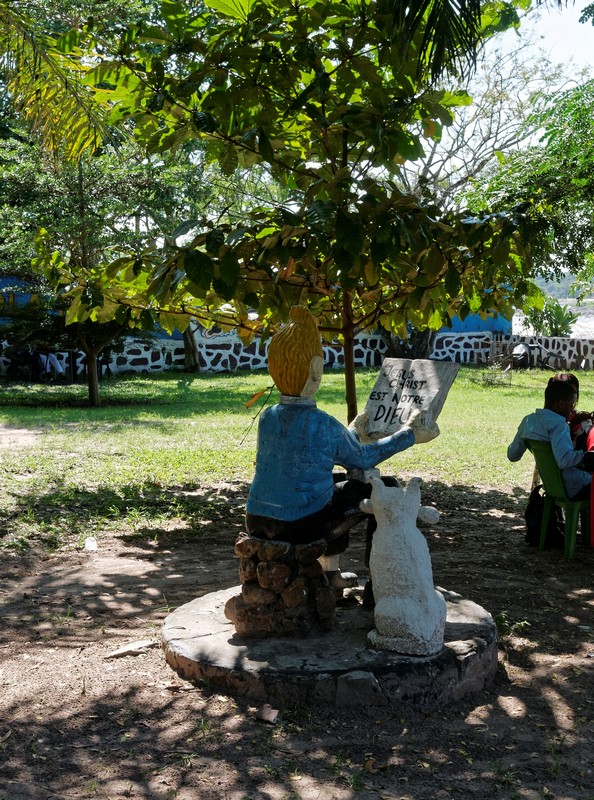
(409, 613)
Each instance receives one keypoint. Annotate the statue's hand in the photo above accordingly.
(423, 433)
(359, 425)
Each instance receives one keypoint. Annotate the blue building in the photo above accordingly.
(473, 323)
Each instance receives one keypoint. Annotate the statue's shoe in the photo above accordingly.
(368, 600)
(342, 580)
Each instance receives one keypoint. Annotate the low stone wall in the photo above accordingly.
(156, 356)
(479, 348)
(217, 352)
(224, 352)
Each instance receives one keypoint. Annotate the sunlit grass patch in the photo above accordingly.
(164, 450)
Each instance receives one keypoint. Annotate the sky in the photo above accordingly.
(563, 37)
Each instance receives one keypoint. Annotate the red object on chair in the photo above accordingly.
(592, 515)
(590, 446)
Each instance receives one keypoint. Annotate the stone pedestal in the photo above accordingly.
(284, 591)
(336, 667)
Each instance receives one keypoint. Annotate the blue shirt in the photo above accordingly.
(298, 447)
(545, 425)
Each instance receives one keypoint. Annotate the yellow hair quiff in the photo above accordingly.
(291, 351)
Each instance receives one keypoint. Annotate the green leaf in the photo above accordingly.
(435, 320)
(371, 273)
(223, 289)
(452, 282)
(106, 312)
(251, 300)
(74, 307)
(69, 41)
(204, 122)
(185, 227)
(147, 323)
(174, 14)
(403, 144)
(344, 261)
(229, 268)
(172, 322)
(417, 298)
(229, 159)
(321, 214)
(198, 267)
(350, 234)
(238, 9)
(122, 315)
(264, 146)
(474, 302)
(214, 241)
(458, 98)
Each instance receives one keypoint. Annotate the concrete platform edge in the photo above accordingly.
(336, 667)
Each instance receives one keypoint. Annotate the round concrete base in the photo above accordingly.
(335, 667)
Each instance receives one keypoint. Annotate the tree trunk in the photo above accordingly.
(418, 345)
(92, 350)
(93, 379)
(348, 333)
(191, 359)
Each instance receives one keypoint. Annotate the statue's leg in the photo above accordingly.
(344, 514)
(299, 531)
(368, 599)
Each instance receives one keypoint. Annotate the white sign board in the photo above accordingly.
(403, 388)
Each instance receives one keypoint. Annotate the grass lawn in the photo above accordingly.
(156, 438)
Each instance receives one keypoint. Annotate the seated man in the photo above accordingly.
(48, 363)
(580, 422)
(550, 424)
(295, 495)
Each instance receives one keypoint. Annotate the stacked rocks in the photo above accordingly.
(284, 590)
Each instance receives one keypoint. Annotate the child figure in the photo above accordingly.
(295, 495)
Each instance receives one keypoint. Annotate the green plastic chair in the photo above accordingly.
(574, 510)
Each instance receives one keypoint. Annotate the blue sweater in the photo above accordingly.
(545, 425)
(298, 447)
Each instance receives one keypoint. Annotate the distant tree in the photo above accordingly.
(561, 288)
(91, 211)
(328, 99)
(554, 319)
(42, 322)
(551, 182)
(498, 120)
(43, 76)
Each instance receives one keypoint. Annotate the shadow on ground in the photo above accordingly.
(77, 724)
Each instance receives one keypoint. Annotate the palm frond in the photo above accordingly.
(452, 32)
(45, 82)
(449, 30)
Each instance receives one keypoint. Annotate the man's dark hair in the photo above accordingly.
(559, 390)
(570, 377)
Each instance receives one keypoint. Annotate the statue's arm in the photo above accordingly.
(352, 454)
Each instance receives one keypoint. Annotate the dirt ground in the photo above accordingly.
(77, 724)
